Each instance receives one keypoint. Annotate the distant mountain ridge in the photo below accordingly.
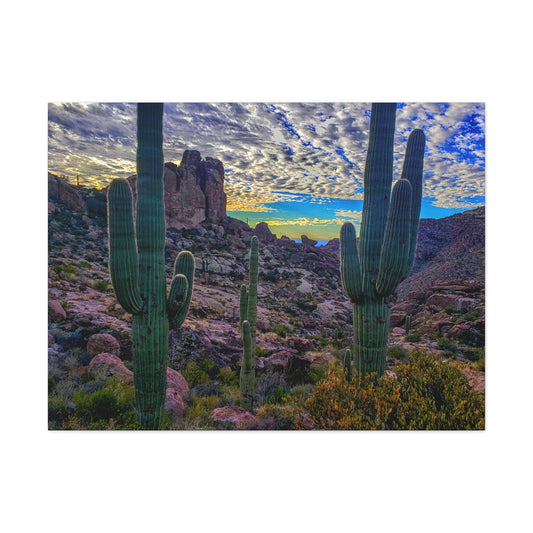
(451, 248)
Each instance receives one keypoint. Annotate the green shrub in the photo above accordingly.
(102, 285)
(315, 374)
(261, 352)
(413, 337)
(115, 402)
(445, 343)
(396, 352)
(449, 309)
(201, 406)
(278, 416)
(480, 364)
(229, 395)
(473, 354)
(228, 377)
(209, 368)
(281, 329)
(278, 395)
(194, 375)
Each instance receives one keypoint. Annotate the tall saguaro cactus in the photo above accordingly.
(387, 241)
(247, 321)
(137, 267)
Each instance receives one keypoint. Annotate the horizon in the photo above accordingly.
(297, 166)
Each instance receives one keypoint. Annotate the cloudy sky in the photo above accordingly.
(297, 166)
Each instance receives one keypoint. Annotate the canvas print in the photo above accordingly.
(266, 266)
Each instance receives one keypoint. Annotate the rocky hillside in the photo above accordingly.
(448, 249)
(304, 317)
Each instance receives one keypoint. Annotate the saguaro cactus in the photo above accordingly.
(387, 242)
(248, 320)
(137, 267)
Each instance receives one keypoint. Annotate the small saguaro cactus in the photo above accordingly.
(407, 324)
(137, 267)
(247, 322)
(387, 241)
(348, 366)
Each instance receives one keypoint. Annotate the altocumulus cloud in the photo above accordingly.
(315, 149)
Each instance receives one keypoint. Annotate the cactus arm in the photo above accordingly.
(183, 266)
(176, 296)
(377, 186)
(123, 259)
(349, 263)
(396, 241)
(413, 170)
(247, 376)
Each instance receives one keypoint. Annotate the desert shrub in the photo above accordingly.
(228, 377)
(300, 393)
(229, 395)
(209, 368)
(445, 343)
(480, 364)
(114, 401)
(67, 269)
(201, 406)
(102, 285)
(436, 395)
(266, 383)
(449, 309)
(424, 394)
(473, 354)
(261, 352)
(396, 352)
(413, 337)
(278, 395)
(337, 403)
(195, 375)
(281, 329)
(58, 409)
(278, 416)
(315, 374)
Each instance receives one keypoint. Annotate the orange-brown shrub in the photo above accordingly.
(423, 394)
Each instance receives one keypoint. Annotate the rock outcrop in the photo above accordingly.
(193, 191)
(263, 232)
(61, 190)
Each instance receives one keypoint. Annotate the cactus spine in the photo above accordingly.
(387, 244)
(247, 321)
(137, 267)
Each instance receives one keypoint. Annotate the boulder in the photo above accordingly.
(56, 313)
(110, 366)
(103, 342)
(177, 382)
(235, 417)
(177, 389)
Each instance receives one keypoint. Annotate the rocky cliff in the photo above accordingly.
(194, 191)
